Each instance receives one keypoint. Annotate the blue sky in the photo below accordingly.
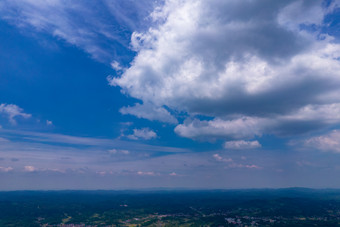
(127, 94)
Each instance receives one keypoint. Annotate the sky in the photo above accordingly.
(140, 94)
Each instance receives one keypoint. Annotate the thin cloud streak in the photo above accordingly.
(95, 27)
(87, 141)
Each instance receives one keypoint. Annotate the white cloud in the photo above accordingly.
(242, 145)
(230, 163)
(327, 113)
(143, 133)
(30, 169)
(302, 120)
(101, 173)
(6, 169)
(49, 122)
(117, 151)
(116, 66)
(329, 142)
(253, 71)
(12, 111)
(173, 174)
(251, 166)
(291, 15)
(150, 173)
(124, 151)
(217, 157)
(236, 129)
(112, 151)
(150, 112)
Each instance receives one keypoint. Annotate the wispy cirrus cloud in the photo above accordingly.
(61, 139)
(96, 27)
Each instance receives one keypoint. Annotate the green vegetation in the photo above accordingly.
(283, 207)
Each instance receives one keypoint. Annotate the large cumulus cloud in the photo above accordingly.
(252, 67)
